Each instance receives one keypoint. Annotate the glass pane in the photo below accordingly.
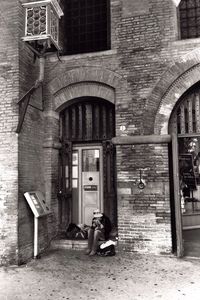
(75, 158)
(66, 171)
(74, 172)
(90, 159)
(67, 183)
(189, 170)
(74, 183)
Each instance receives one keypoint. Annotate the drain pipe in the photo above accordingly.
(27, 96)
(40, 79)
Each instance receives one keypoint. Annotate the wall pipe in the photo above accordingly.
(27, 96)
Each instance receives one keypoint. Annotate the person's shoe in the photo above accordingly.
(92, 253)
(87, 252)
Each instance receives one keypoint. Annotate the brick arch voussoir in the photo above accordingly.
(84, 74)
(65, 96)
(172, 85)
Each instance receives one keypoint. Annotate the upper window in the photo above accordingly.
(86, 26)
(189, 11)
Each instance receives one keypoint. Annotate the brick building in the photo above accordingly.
(115, 117)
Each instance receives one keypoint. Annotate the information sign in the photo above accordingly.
(37, 203)
(90, 187)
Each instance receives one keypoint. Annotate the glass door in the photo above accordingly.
(87, 183)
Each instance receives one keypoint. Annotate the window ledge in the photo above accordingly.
(186, 41)
(83, 55)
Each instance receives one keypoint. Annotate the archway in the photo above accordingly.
(185, 125)
(172, 86)
(87, 160)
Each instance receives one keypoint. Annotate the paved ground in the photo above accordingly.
(67, 274)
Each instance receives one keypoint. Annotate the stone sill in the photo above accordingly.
(82, 56)
(186, 42)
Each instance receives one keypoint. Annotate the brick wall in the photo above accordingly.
(145, 45)
(31, 153)
(144, 214)
(9, 84)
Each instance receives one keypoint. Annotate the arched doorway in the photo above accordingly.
(184, 125)
(87, 161)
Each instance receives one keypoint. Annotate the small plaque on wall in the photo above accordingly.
(37, 203)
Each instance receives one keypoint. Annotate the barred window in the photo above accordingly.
(189, 12)
(86, 26)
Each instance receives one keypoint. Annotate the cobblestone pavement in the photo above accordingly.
(66, 274)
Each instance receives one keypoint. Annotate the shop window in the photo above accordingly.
(86, 26)
(189, 170)
(189, 16)
(185, 122)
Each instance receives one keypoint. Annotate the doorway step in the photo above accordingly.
(74, 244)
(69, 244)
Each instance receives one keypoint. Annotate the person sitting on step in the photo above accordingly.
(100, 230)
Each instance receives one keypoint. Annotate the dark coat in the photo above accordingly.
(105, 221)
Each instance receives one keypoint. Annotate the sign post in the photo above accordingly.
(39, 208)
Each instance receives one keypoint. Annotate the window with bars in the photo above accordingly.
(189, 14)
(90, 119)
(86, 26)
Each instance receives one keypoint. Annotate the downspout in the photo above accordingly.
(26, 98)
(40, 79)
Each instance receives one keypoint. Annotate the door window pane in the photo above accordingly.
(74, 183)
(75, 158)
(90, 160)
(75, 172)
(67, 183)
(66, 171)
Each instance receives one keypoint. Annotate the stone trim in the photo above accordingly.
(174, 82)
(141, 139)
(52, 144)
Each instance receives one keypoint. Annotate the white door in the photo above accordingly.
(88, 191)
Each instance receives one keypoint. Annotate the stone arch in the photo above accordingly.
(174, 82)
(84, 81)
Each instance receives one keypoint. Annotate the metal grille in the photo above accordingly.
(36, 19)
(86, 25)
(54, 26)
(88, 121)
(185, 120)
(189, 11)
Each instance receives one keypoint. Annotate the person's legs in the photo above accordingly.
(96, 236)
(90, 240)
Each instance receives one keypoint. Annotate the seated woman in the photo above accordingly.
(100, 230)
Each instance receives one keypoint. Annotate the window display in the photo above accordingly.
(189, 172)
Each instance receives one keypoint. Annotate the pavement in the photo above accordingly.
(70, 274)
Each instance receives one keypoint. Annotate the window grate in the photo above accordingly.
(189, 11)
(87, 26)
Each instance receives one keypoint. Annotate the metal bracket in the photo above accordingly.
(26, 102)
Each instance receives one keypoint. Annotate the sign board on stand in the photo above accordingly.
(39, 208)
(37, 203)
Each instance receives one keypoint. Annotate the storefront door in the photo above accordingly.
(185, 130)
(87, 182)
